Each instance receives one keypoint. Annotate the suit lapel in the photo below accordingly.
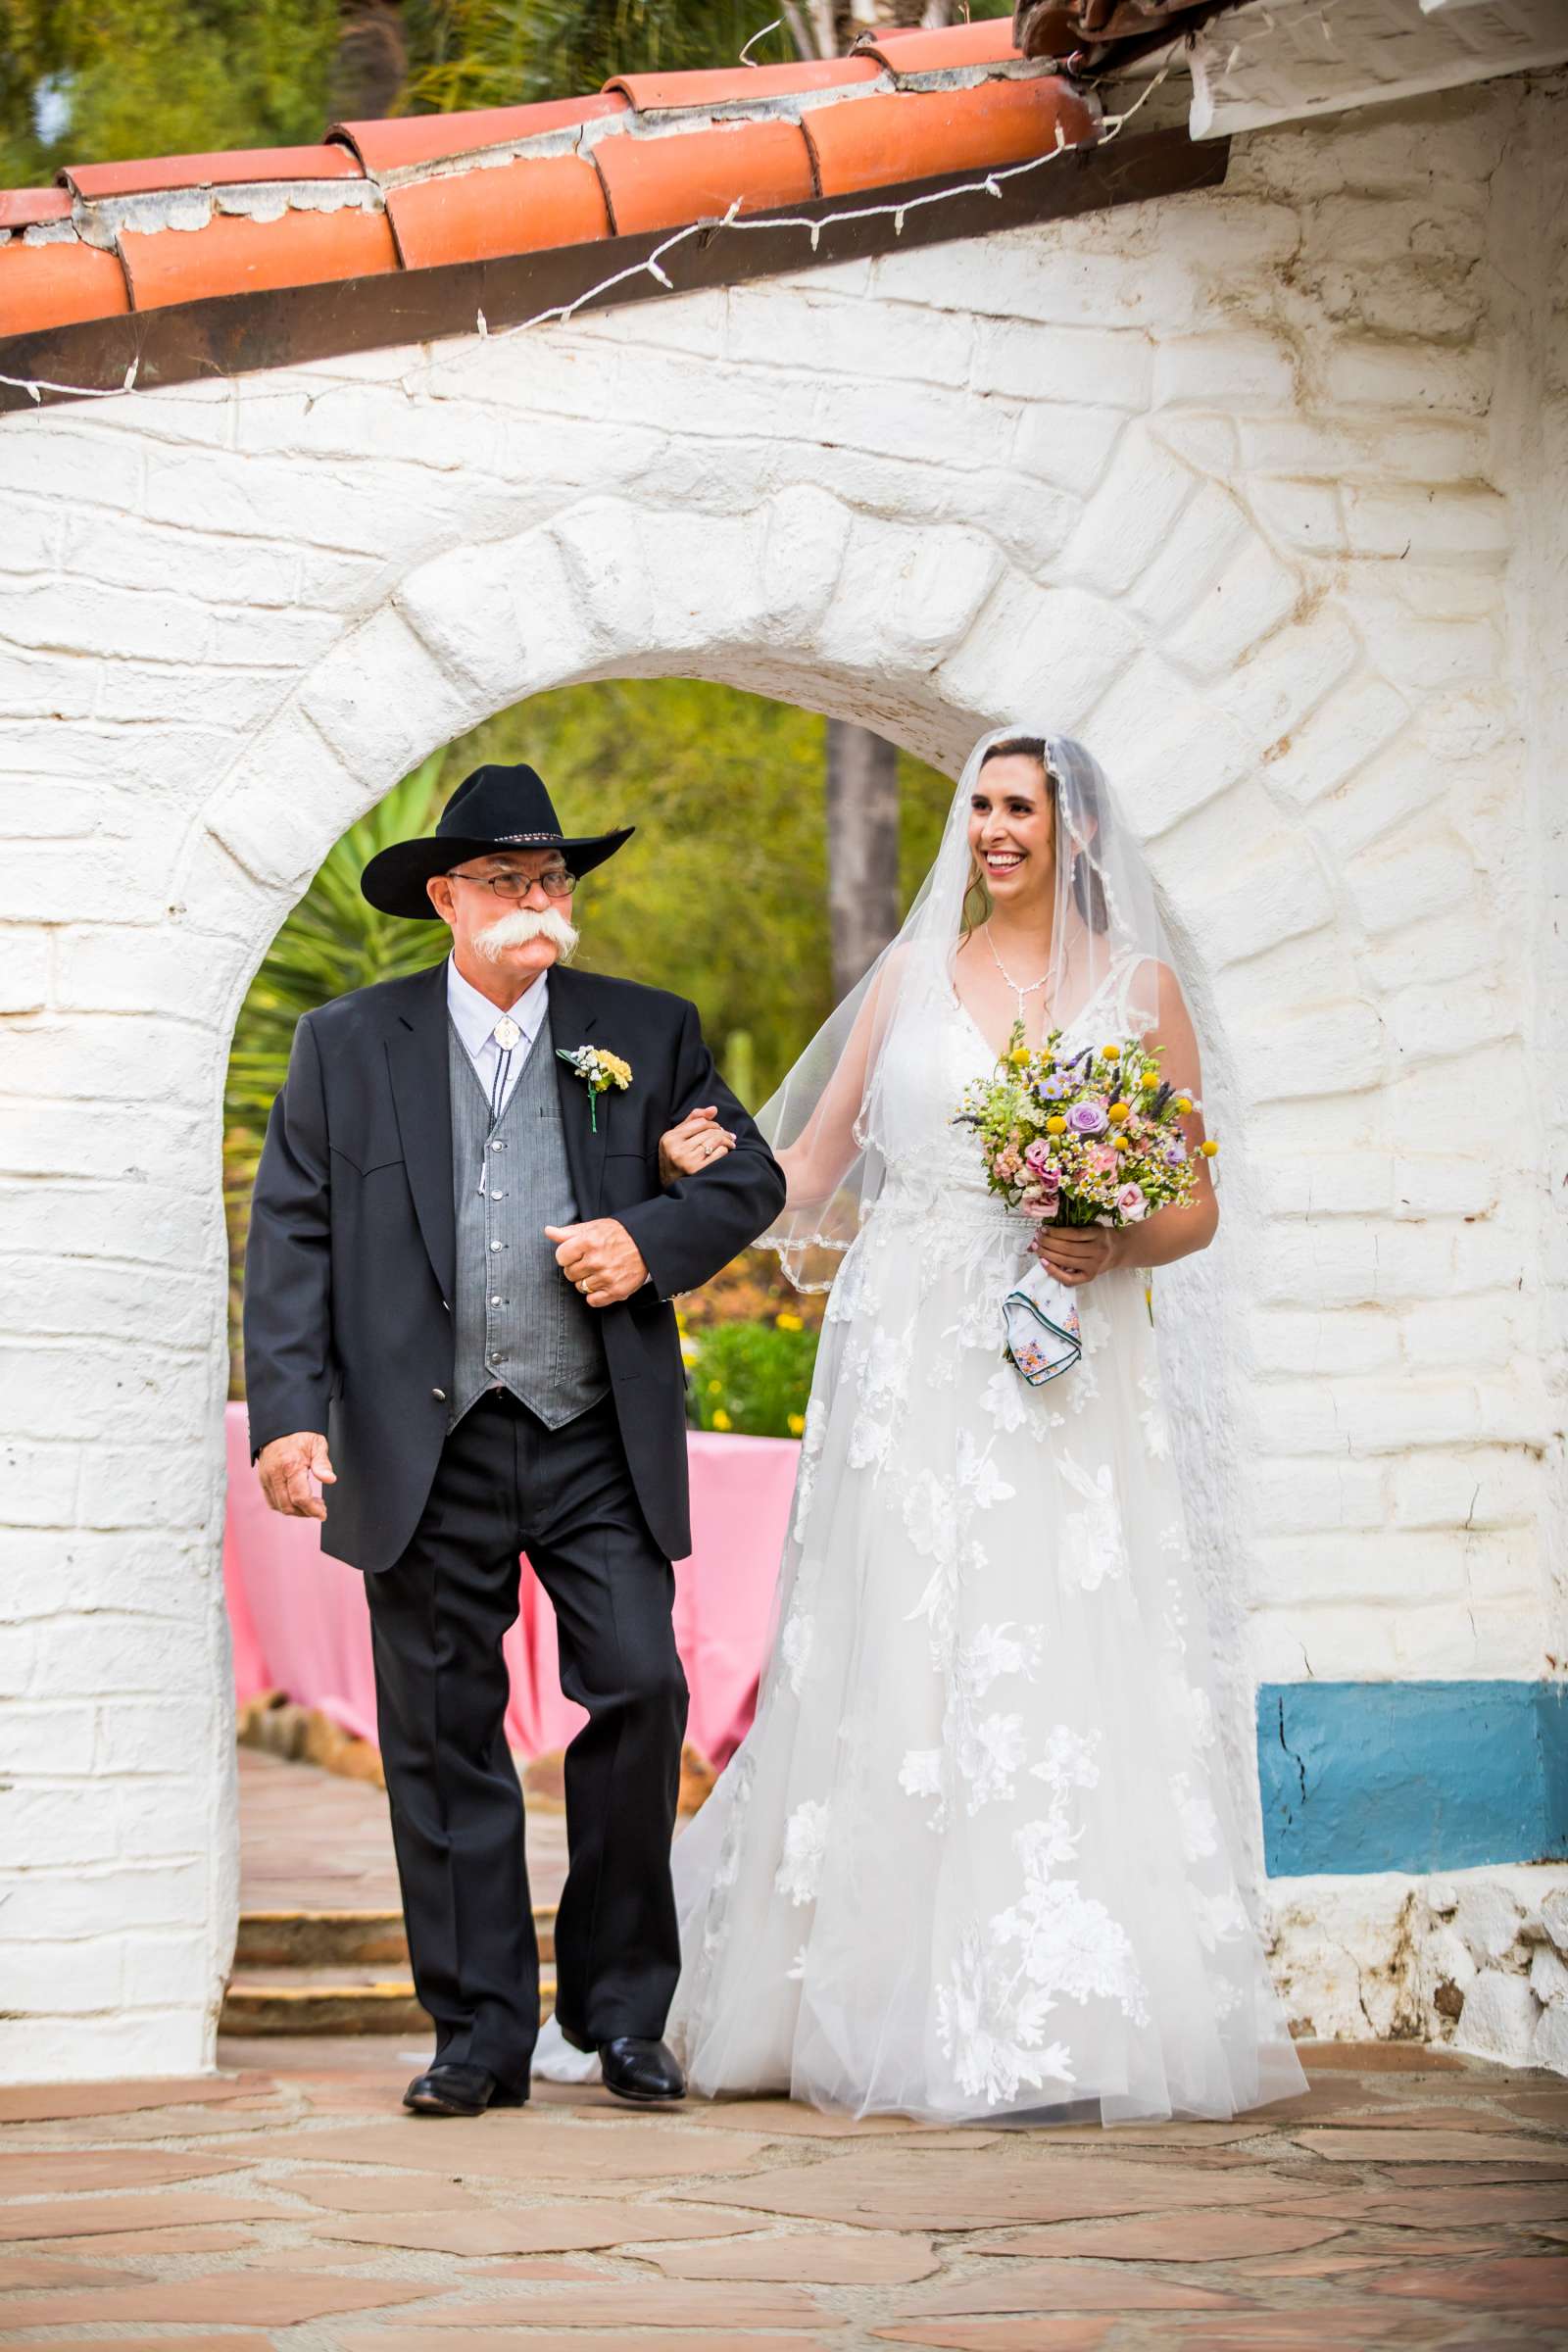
(422, 1092)
(572, 1018)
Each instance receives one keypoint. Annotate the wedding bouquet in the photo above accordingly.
(1091, 1137)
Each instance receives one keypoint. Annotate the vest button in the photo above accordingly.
(439, 1394)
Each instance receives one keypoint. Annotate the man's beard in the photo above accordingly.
(523, 923)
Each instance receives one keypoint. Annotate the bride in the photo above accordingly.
(974, 1859)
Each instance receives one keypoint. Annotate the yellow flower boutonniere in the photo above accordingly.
(599, 1071)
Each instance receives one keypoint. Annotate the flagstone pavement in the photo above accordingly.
(1410, 2197)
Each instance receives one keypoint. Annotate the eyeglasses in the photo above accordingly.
(557, 882)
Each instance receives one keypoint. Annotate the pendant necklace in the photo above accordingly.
(1019, 993)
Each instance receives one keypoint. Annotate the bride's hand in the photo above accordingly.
(1076, 1253)
(694, 1144)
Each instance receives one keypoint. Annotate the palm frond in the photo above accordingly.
(333, 941)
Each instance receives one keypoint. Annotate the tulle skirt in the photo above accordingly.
(975, 1858)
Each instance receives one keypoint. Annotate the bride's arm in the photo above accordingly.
(822, 1154)
(1173, 1233)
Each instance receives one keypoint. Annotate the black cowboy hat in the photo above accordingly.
(494, 809)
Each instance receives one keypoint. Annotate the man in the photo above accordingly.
(461, 1256)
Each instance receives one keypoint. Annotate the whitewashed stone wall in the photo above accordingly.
(1245, 487)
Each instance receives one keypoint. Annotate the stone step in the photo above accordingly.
(314, 1940)
(335, 1971)
(336, 2000)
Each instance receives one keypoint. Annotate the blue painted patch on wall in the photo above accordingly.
(1359, 1776)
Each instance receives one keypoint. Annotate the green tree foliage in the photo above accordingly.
(104, 80)
(723, 895)
(333, 941)
(468, 53)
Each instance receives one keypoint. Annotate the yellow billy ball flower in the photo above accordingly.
(1111, 1052)
(1057, 1125)
(1209, 1148)
(797, 1425)
(1120, 1111)
(721, 1419)
(1150, 1080)
(1123, 1143)
(1019, 1057)
(1184, 1103)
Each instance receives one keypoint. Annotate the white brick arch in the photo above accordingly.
(1112, 475)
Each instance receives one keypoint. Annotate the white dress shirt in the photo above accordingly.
(474, 1018)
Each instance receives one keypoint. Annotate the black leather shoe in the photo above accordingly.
(450, 2088)
(644, 2072)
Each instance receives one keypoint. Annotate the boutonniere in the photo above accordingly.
(599, 1071)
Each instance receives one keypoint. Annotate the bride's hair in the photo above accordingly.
(1088, 891)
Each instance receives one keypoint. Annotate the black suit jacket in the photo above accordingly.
(350, 1271)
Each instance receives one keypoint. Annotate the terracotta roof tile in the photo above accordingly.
(26, 207)
(56, 286)
(987, 42)
(523, 179)
(511, 208)
(876, 142)
(232, 254)
(413, 139)
(697, 175)
(665, 93)
(233, 167)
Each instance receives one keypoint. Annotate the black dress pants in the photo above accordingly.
(507, 1484)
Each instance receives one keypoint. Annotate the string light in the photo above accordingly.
(759, 36)
(990, 184)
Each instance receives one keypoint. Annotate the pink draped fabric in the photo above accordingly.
(298, 1621)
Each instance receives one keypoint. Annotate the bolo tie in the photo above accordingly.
(507, 1037)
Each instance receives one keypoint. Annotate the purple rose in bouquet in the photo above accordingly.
(1088, 1117)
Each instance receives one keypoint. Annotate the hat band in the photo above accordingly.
(527, 837)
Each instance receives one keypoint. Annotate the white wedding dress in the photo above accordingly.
(974, 1858)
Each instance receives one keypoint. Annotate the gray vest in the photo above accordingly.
(519, 1323)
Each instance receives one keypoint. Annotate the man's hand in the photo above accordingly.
(601, 1258)
(287, 1468)
(1076, 1253)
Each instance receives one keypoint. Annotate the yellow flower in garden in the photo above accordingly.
(688, 1352)
(715, 1388)
(1118, 1111)
(721, 1419)
(1209, 1148)
(785, 1321)
(797, 1425)
(1057, 1125)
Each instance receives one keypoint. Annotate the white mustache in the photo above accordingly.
(523, 923)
